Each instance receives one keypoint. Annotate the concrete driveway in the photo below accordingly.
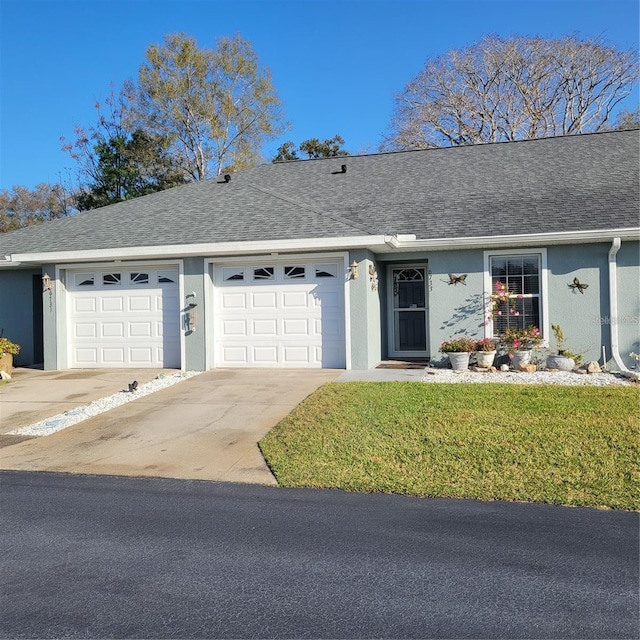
(204, 428)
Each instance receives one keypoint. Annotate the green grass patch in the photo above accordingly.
(536, 443)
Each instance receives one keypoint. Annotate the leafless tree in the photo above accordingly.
(23, 207)
(512, 89)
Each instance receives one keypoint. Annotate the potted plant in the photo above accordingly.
(485, 352)
(563, 360)
(519, 343)
(458, 350)
(8, 349)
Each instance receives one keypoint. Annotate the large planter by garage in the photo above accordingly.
(520, 357)
(562, 363)
(485, 359)
(6, 363)
(459, 360)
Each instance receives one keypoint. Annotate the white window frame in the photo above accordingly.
(541, 253)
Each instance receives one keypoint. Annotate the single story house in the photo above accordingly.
(340, 262)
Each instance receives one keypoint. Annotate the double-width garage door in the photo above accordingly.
(123, 318)
(280, 314)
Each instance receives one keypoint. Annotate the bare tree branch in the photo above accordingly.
(512, 89)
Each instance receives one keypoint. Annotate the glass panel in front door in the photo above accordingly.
(409, 309)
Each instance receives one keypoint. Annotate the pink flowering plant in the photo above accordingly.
(504, 301)
(521, 339)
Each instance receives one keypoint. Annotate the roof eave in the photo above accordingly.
(379, 244)
(204, 249)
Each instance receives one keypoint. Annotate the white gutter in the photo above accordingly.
(599, 235)
(613, 304)
(379, 243)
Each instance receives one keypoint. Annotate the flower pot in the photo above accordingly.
(485, 358)
(562, 363)
(459, 360)
(520, 357)
(6, 363)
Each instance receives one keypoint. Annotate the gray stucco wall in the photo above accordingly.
(454, 309)
(194, 341)
(585, 318)
(365, 311)
(50, 328)
(579, 313)
(16, 311)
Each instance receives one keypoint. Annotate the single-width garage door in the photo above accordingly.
(123, 318)
(280, 314)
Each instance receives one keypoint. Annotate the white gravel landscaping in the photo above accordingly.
(79, 414)
(521, 377)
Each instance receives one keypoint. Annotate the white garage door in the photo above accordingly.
(124, 318)
(288, 314)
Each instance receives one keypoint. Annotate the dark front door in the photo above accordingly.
(38, 347)
(408, 326)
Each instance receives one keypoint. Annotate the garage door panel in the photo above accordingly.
(113, 356)
(264, 300)
(295, 299)
(141, 356)
(137, 303)
(235, 300)
(112, 330)
(330, 328)
(264, 328)
(265, 355)
(235, 327)
(85, 305)
(164, 301)
(134, 322)
(295, 327)
(140, 330)
(328, 299)
(87, 357)
(332, 355)
(112, 304)
(279, 322)
(234, 355)
(85, 330)
(298, 355)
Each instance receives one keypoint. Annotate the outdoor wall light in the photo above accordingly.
(47, 285)
(354, 270)
(373, 277)
(191, 300)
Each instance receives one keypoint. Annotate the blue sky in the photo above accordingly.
(336, 64)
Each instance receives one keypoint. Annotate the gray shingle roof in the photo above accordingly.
(573, 183)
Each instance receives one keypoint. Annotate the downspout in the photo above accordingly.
(613, 304)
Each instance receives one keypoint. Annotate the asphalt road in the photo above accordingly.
(105, 557)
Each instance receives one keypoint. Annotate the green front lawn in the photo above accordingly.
(555, 444)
